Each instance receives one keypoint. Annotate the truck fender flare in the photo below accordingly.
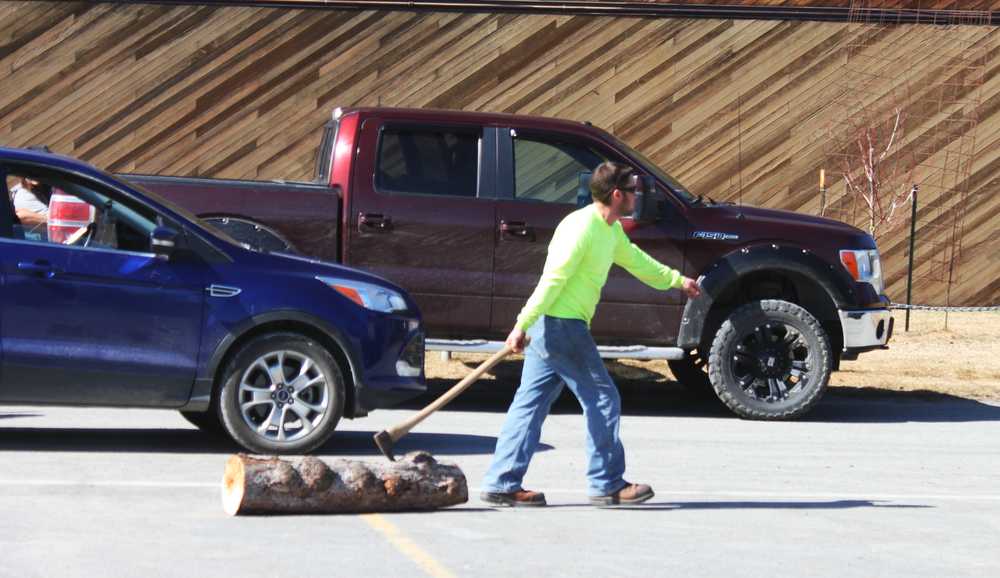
(727, 271)
(201, 395)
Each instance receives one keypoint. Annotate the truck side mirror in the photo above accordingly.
(647, 205)
(163, 241)
(583, 197)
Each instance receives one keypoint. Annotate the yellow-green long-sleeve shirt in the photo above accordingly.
(581, 252)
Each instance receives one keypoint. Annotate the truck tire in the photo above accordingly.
(692, 371)
(770, 359)
(282, 393)
(206, 421)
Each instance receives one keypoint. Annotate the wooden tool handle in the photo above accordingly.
(404, 428)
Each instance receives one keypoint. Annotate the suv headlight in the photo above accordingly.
(367, 295)
(865, 266)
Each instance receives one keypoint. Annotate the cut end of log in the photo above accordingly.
(233, 485)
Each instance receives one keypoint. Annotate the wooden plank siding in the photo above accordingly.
(736, 109)
(985, 5)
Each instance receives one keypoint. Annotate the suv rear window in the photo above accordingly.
(427, 162)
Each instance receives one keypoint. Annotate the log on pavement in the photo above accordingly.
(308, 485)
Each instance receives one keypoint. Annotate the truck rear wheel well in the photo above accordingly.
(785, 285)
(300, 328)
(259, 236)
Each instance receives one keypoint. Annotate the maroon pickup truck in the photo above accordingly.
(458, 208)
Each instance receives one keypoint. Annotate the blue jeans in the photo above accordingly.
(561, 350)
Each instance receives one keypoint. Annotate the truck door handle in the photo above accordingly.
(517, 230)
(41, 268)
(374, 222)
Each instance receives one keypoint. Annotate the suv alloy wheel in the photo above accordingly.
(282, 393)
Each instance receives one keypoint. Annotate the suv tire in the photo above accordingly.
(206, 421)
(770, 359)
(282, 393)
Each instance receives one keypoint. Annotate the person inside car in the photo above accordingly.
(31, 199)
(31, 202)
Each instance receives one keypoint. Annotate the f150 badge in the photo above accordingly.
(715, 236)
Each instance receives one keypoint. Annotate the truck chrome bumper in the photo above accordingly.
(866, 328)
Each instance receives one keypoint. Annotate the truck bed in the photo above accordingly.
(302, 214)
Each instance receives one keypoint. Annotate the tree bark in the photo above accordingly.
(308, 485)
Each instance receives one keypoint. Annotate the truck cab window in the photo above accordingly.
(549, 171)
(427, 162)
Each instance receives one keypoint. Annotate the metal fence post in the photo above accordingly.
(822, 192)
(909, 269)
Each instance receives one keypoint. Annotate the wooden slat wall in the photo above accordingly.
(735, 109)
(873, 4)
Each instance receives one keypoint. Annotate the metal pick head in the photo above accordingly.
(384, 442)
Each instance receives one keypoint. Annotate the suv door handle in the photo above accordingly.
(517, 230)
(374, 222)
(41, 268)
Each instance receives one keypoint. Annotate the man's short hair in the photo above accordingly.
(609, 176)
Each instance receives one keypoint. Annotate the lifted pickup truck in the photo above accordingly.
(458, 208)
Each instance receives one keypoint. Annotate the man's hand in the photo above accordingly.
(517, 340)
(690, 288)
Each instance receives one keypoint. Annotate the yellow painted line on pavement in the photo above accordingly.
(408, 547)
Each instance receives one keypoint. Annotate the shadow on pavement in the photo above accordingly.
(112, 440)
(638, 398)
(17, 414)
(438, 444)
(348, 443)
(862, 405)
(666, 398)
(746, 505)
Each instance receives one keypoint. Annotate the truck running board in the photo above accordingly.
(606, 351)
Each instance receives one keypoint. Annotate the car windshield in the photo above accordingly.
(179, 210)
(674, 185)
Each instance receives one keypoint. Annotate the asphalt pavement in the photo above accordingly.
(866, 485)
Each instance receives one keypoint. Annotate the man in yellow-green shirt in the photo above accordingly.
(561, 350)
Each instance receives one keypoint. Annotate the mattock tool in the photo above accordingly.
(386, 439)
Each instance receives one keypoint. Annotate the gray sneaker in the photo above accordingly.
(630, 494)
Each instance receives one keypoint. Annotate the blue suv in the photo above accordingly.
(113, 296)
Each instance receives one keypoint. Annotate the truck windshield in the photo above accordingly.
(674, 185)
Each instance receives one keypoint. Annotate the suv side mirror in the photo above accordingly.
(647, 206)
(163, 241)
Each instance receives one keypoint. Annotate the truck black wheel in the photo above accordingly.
(206, 421)
(282, 393)
(770, 360)
(692, 371)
